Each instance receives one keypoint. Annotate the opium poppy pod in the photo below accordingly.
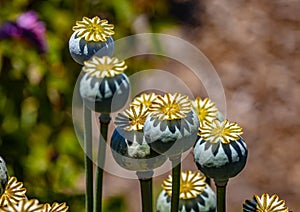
(131, 151)
(195, 194)
(129, 147)
(220, 152)
(172, 125)
(91, 37)
(13, 194)
(3, 176)
(265, 203)
(104, 87)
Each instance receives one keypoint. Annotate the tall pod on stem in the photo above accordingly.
(207, 112)
(3, 176)
(13, 196)
(195, 194)
(130, 149)
(220, 153)
(170, 129)
(90, 37)
(265, 203)
(104, 88)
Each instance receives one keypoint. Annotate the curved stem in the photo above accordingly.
(87, 160)
(104, 120)
(145, 179)
(221, 196)
(176, 172)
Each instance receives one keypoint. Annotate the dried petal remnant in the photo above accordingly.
(101, 67)
(205, 109)
(217, 131)
(171, 107)
(132, 118)
(191, 185)
(94, 29)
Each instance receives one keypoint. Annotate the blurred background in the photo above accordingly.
(253, 45)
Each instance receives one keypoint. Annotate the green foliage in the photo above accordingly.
(37, 137)
(114, 204)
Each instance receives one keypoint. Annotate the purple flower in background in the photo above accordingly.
(28, 27)
(10, 29)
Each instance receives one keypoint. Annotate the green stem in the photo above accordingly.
(145, 179)
(104, 122)
(176, 172)
(221, 196)
(88, 162)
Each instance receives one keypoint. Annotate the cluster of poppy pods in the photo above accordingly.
(155, 127)
(13, 196)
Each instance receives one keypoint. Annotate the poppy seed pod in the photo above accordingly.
(3, 176)
(14, 192)
(61, 207)
(91, 37)
(104, 87)
(129, 147)
(220, 152)
(265, 203)
(131, 151)
(172, 125)
(25, 205)
(195, 194)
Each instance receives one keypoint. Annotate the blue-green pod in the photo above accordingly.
(3, 176)
(131, 151)
(105, 95)
(220, 152)
(91, 37)
(195, 194)
(266, 203)
(172, 137)
(104, 87)
(82, 50)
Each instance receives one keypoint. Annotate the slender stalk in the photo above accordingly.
(87, 160)
(221, 196)
(104, 120)
(176, 172)
(145, 179)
